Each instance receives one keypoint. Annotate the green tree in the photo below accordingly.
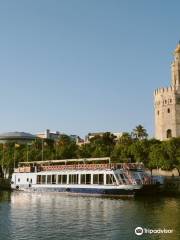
(102, 146)
(121, 151)
(66, 148)
(172, 148)
(139, 132)
(140, 150)
(85, 151)
(158, 157)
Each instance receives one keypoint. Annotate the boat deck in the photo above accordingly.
(110, 166)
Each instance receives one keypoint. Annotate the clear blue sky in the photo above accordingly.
(79, 66)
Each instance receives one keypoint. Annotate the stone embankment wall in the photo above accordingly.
(170, 181)
(160, 172)
(171, 185)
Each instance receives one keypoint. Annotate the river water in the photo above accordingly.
(33, 216)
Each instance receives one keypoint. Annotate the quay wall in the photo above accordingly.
(171, 181)
(160, 172)
(171, 185)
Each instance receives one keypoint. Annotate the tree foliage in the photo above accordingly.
(128, 148)
(139, 132)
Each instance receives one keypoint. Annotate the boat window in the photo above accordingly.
(70, 179)
(83, 179)
(95, 179)
(110, 179)
(18, 179)
(38, 179)
(88, 178)
(76, 180)
(59, 179)
(53, 179)
(119, 178)
(73, 178)
(113, 179)
(27, 179)
(48, 179)
(64, 179)
(98, 179)
(122, 177)
(101, 178)
(43, 179)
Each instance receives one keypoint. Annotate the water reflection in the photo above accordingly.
(59, 216)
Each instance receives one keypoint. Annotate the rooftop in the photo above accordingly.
(17, 135)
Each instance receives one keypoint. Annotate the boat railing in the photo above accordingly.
(132, 166)
(76, 167)
(112, 166)
(84, 166)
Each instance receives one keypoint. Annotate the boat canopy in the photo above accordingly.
(84, 160)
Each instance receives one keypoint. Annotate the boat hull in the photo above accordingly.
(79, 190)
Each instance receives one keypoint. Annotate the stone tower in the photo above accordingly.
(167, 104)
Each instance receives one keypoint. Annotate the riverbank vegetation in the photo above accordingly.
(130, 147)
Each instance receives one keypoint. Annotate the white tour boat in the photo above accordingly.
(86, 176)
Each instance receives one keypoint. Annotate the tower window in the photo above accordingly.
(178, 100)
(165, 101)
(168, 110)
(169, 133)
(158, 113)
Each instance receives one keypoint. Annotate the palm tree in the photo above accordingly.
(139, 132)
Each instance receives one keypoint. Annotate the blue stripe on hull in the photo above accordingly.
(86, 191)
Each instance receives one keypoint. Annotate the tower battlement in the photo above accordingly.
(165, 90)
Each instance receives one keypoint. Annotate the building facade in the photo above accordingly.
(167, 104)
(49, 135)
